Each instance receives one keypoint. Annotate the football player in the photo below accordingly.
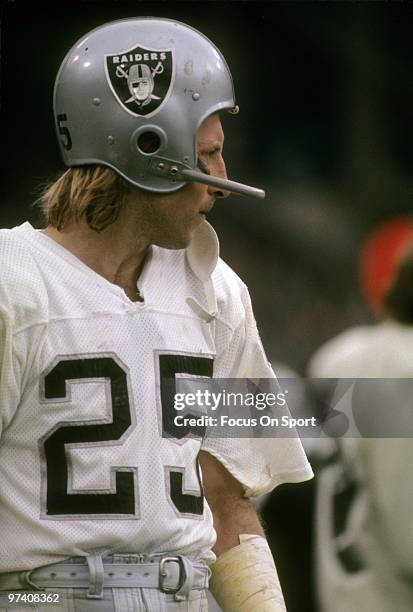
(364, 531)
(105, 503)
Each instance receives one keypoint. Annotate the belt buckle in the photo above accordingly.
(163, 574)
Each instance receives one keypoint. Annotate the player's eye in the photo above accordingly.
(214, 152)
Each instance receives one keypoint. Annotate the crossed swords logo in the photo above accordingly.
(122, 74)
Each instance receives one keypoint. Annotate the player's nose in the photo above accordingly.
(218, 168)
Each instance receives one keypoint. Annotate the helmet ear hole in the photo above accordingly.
(148, 142)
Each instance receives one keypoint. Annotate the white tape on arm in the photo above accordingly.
(245, 578)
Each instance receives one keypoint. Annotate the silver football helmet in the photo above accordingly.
(132, 94)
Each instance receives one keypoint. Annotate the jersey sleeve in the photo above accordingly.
(23, 311)
(9, 374)
(259, 464)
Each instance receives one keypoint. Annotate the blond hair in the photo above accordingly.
(95, 193)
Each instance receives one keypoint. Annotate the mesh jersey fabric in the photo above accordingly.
(83, 463)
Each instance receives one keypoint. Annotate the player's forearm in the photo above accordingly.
(232, 518)
(232, 512)
(244, 577)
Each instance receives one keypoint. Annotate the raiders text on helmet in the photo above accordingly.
(132, 94)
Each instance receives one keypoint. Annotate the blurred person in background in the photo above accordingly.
(364, 527)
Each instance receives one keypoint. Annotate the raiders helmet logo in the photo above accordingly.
(141, 79)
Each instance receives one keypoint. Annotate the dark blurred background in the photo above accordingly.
(325, 91)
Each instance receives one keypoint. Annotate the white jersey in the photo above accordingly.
(84, 464)
(378, 527)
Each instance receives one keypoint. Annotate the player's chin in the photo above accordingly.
(180, 237)
(177, 241)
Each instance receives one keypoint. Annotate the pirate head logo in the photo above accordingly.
(141, 79)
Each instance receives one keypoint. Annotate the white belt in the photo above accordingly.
(168, 573)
